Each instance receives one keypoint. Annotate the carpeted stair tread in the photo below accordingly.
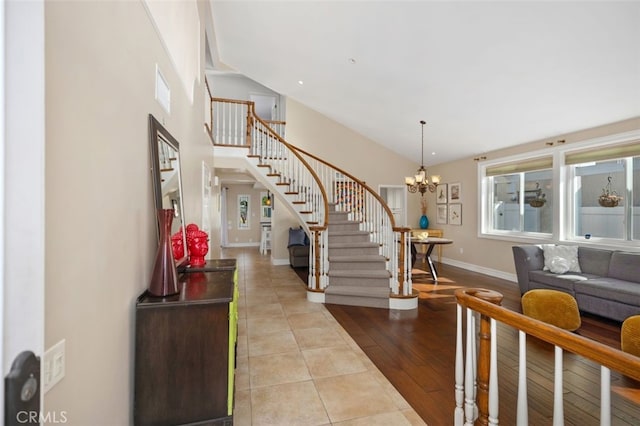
(358, 258)
(365, 244)
(361, 273)
(371, 292)
(345, 233)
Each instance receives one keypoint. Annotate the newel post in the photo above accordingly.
(484, 353)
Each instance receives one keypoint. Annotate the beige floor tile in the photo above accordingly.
(394, 418)
(310, 338)
(267, 325)
(308, 320)
(269, 370)
(334, 361)
(288, 404)
(261, 299)
(352, 396)
(242, 407)
(295, 364)
(272, 343)
(295, 306)
(265, 310)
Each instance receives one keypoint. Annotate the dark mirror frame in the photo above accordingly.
(158, 134)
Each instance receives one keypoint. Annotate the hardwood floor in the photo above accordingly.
(415, 350)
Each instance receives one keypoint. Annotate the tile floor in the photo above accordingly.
(295, 363)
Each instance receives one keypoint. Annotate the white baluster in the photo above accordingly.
(493, 376)
(469, 376)
(458, 415)
(522, 410)
(558, 409)
(605, 396)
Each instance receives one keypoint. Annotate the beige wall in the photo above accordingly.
(235, 235)
(352, 152)
(490, 255)
(100, 221)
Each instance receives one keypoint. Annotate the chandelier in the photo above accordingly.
(420, 182)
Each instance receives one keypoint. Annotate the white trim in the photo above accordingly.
(481, 269)
(315, 296)
(242, 245)
(404, 303)
(280, 262)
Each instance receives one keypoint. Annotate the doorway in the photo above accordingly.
(396, 198)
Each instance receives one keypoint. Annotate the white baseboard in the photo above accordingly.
(481, 269)
(242, 245)
(279, 262)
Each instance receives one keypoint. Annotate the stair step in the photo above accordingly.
(371, 279)
(357, 296)
(369, 262)
(354, 235)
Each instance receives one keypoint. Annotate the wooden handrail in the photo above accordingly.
(302, 160)
(627, 364)
(232, 101)
(355, 179)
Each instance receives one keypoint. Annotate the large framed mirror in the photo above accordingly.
(167, 180)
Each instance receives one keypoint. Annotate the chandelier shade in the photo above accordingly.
(420, 181)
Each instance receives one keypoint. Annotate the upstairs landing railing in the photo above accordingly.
(315, 183)
(476, 363)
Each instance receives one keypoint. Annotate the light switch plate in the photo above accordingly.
(53, 365)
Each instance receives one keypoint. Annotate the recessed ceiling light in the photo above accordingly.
(433, 153)
(352, 61)
(300, 82)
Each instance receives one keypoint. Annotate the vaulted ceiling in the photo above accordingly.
(484, 75)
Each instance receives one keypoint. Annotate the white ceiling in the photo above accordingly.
(484, 75)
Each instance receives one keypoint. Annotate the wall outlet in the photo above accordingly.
(53, 365)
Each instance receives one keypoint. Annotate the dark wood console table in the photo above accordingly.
(185, 350)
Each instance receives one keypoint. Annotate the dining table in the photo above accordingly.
(431, 243)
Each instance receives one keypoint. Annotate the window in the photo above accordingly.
(604, 192)
(556, 194)
(521, 197)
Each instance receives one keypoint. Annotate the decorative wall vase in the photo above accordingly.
(424, 221)
(164, 278)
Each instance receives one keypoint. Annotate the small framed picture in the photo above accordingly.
(441, 216)
(455, 192)
(455, 214)
(442, 194)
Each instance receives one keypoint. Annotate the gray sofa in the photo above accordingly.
(299, 256)
(608, 284)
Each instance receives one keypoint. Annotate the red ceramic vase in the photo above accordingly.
(164, 278)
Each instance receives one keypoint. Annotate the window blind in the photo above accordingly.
(603, 153)
(526, 165)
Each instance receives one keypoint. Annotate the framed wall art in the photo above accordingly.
(442, 196)
(243, 211)
(455, 214)
(455, 192)
(441, 215)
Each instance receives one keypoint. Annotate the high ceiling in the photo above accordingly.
(484, 75)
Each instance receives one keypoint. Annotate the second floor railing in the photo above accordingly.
(476, 364)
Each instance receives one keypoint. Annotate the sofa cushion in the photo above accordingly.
(594, 261)
(610, 289)
(560, 258)
(297, 237)
(551, 280)
(625, 266)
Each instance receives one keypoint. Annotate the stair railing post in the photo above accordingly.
(484, 354)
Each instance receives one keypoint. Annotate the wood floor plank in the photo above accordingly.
(416, 352)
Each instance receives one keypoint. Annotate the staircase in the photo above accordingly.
(357, 255)
(357, 272)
